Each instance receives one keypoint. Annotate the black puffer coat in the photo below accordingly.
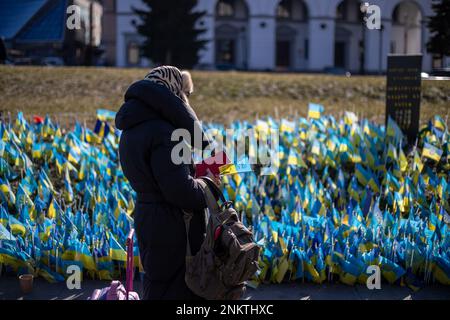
(148, 117)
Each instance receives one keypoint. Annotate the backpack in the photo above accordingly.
(228, 256)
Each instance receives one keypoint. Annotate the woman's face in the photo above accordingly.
(188, 86)
(185, 96)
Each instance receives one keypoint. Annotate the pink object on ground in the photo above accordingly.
(116, 291)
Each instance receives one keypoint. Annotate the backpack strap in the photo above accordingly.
(187, 223)
(207, 185)
(215, 190)
(210, 199)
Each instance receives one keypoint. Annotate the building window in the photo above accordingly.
(392, 47)
(225, 51)
(437, 62)
(284, 9)
(133, 53)
(225, 8)
(341, 11)
(396, 15)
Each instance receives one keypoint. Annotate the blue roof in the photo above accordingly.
(47, 27)
(15, 13)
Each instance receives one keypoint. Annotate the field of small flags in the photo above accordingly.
(343, 195)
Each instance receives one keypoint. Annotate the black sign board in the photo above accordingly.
(403, 87)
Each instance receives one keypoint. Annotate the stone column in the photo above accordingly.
(321, 43)
(261, 50)
(386, 43)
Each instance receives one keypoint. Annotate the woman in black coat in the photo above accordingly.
(153, 109)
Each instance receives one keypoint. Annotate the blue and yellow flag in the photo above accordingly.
(431, 152)
(315, 110)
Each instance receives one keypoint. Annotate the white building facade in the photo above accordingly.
(294, 35)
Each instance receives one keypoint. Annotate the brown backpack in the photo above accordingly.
(222, 265)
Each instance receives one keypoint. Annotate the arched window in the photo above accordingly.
(349, 11)
(406, 36)
(231, 25)
(396, 14)
(284, 9)
(341, 11)
(294, 10)
(225, 8)
(408, 13)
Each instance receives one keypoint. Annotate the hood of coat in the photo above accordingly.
(145, 100)
(132, 113)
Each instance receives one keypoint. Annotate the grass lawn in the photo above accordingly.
(71, 93)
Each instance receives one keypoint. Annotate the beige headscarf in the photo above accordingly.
(179, 82)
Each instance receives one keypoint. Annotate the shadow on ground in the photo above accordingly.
(337, 291)
(10, 290)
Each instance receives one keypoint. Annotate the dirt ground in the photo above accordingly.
(72, 94)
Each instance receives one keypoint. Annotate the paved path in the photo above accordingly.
(10, 290)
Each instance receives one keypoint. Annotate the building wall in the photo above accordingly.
(109, 31)
(126, 32)
(314, 41)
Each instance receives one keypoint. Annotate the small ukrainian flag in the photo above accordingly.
(315, 110)
(439, 123)
(228, 169)
(105, 115)
(431, 152)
